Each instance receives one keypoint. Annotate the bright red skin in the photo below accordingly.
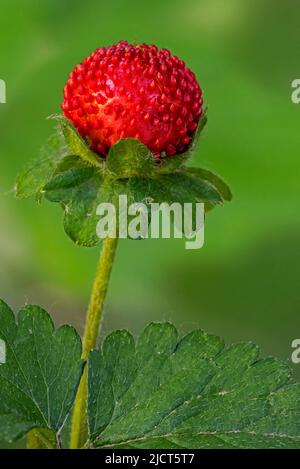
(134, 91)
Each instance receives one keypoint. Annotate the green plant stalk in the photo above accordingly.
(79, 428)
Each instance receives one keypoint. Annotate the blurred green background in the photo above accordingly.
(244, 283)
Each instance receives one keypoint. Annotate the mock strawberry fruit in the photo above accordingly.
(136, 91)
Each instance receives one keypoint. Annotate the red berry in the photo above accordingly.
(136, 91)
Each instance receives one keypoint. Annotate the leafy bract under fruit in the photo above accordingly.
(162, 392)
(69, 173)
(39, 379)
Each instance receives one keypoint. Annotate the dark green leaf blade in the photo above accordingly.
(80, 221)
(76, 186)
(184, 188)
(189, 393)
(82, 188)
(39, 380)
(213, 179)
(66, 185)
(116, 371)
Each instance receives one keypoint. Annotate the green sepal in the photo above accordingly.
(31, 182)
(130, 158)
(75, 177)
(76, 144)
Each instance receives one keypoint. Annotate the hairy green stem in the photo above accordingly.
(94, 314)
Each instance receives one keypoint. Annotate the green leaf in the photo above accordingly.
(130, 158)
(213, 179)
(39, 380)
(78, 191)
(68, 162)
(76, 188)
(165, 392)
(183, 187)
(33, 179)
(81, 219)
(71, 184)
(82, 188)
(76, 144)
(75, 177)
